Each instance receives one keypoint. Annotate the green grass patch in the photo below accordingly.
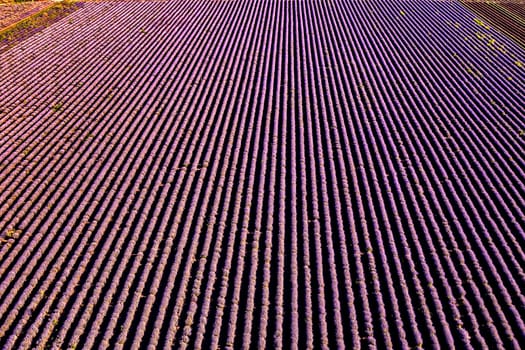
(36, 22)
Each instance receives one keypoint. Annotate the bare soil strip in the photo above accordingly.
(11, 13)
(24, 24)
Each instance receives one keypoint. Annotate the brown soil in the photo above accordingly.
(11, 13)
(24, 24)
(507, 16)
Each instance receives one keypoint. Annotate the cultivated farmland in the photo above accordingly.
(263, 174)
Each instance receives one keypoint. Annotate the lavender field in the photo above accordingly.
(272, 174)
